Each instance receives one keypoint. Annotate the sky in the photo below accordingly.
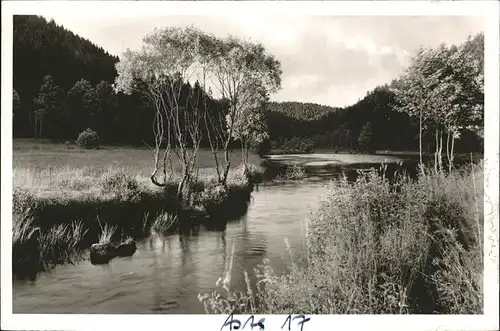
(330, 60)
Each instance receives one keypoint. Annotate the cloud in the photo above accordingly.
(325, 59)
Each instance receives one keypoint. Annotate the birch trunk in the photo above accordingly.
(420, 139)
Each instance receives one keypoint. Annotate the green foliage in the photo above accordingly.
(16, 102)
(338, 128)
(243, 75)
(42, 47)
(52, 197)
(444, 88)
(304, 111)
(120, 185)
(22, 200)
(365, 137)
(83, 105)
(88, 139)
(23, 230)
(49, 112)
(60, 243)
(297, 145)
(107, 115)
(292, 172)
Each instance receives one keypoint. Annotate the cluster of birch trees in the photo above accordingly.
(239, 72)
(444, 88)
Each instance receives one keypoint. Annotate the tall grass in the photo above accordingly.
(59, 244)
(413, 246)
(34, 249)
(107, 232)
(163, 223)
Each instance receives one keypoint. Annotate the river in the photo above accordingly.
(166, 274)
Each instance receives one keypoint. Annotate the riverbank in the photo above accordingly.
(60, 211)
(413, 246)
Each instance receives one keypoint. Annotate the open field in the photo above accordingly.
(47, 169)
(29, 153)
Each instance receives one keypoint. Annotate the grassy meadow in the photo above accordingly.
(411, 247)
(37, 163)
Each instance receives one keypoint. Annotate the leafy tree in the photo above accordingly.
(445, 85)
(83, 105)
(88, 139)
(411, 88)
(41, 48)
(16, 102)
(462, 92)
(365, 137)
(107, 109)
(167, 60)
(50, 115)
(250, 129)
(244, 73)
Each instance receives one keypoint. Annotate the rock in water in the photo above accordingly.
(126, 248)
(102, 253)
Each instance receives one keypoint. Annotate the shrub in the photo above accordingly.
(210, 197)
(292, 172)
(120, 184)
(88, 139)
(255, 173)
(22, 200)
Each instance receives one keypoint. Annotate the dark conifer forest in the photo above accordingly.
(63, 84)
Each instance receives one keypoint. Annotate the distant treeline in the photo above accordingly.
(372, 123)
(63, 84)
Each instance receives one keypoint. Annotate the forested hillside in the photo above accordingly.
(63, 84)
(44, 48)
(373, 123)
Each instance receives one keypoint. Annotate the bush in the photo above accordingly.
(121, 185)
(88, 139)
(22, 200)
(292, 172)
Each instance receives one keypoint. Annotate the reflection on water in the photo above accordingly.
(166, 273)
